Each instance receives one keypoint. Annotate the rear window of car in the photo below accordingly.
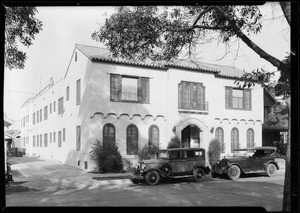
(199, 153)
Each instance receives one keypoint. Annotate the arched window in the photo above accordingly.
(109, 134)
(250, 138)
(220, 137)
(234, 139)
(132, 139)
(154, 135)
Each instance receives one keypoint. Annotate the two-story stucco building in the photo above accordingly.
(132, 103)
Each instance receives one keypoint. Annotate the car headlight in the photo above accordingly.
(143, 166)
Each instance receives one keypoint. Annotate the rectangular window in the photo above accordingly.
(60, 105)
(59, 138)
(23, 121)
(45, 112)
(53, 137)
(78, 95)
(50, 108)
(236, 98)
(46, 140)
(27, 118)
(191, 96)
(37, 116)
(41, 140)
(54, 106)
(37, 140)
(50, 137)
(129, 89)
(33, 118)
(33, 141)
(78, 137)
(41, 115)
(64, 134)
(67, 93)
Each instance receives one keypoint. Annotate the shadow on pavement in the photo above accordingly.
(24, 159)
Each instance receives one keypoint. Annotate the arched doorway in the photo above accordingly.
(190, 136)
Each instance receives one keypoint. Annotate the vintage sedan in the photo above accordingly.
(171, 163)
(253, 160)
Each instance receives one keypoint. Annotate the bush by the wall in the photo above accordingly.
(174, 142)
(106, 157)
(148, 151)
(214, 151)
(281, 147)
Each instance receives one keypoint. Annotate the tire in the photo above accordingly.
(152, 178)
(166, 168)
(271, 170)
(213, 175)
(199, 174)
(134, 181)
(233, 172)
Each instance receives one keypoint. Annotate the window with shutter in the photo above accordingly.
(37, 140)
(236, 98)
(191, 96)
(46, 140)
(59, 139)
(129, 89)
(60, 105)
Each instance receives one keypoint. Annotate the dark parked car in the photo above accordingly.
(254, 160)
(172, 163)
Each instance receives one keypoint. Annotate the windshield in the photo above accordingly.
(247, 153)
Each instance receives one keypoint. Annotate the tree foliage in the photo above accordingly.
(142, 32)
(21, 26)
(214, 151)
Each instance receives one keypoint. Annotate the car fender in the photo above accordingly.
(273, 162)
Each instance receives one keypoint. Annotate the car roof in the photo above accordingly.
(257, 148)
(182, 149)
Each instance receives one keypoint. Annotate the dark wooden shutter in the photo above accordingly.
(247, 99)
(180, 96)
(228, 97)
(143, 90)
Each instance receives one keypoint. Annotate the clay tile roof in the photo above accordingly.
(103, 54)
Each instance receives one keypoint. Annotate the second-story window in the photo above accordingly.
(33, 118)
(60, 105)
(37, 116)
(45, 112)
(41, 115)
(67, 93)
(236, 98)
(191, 95)
(129, 89)
(54, 106)
(50, 109)
(78, 94)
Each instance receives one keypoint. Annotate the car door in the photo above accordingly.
(179, 162)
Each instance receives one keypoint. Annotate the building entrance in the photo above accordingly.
(190, 136)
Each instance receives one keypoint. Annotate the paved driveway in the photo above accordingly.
(54, 184)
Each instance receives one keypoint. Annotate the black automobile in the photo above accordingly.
(253, 160)
(171, 163)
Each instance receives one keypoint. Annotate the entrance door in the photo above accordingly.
(190, 136)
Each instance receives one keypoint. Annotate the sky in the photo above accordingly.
(63, 27)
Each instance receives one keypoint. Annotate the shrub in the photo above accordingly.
(174, 142)
(106, 157)
(214, 151)
(147, 152)
(281, 147)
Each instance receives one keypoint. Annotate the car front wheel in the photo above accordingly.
(234, 172)
(199, 174)
(271, 170)
(152, 178)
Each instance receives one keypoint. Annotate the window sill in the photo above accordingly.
(239, 109)
(133, 102)
(204, 112)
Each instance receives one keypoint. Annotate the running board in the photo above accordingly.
(183, 176)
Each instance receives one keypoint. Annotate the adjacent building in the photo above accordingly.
(132, 103)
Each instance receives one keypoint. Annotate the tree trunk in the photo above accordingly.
(286, 204)
(286, 9)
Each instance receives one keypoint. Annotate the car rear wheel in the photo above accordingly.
(233, 172)
(152, 178)
(199, 174)
(271, 170)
